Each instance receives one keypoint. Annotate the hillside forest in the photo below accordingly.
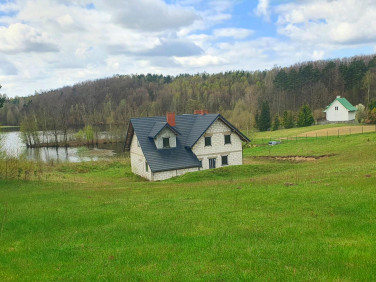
(238, 95)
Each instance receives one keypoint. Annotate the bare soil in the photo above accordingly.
(295, 158)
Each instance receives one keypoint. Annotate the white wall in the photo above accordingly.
(172, 173)
(138, 160)
(217, 131)
(352, 115)
(342, 114)
(165, 133)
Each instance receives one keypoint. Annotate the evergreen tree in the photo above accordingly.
(288, 119)
(276, 123)
(257, 120)
(2, 100)
(264, 119)
(305, 117)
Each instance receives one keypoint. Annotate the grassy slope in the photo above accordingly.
(98, 221)
(294, 131)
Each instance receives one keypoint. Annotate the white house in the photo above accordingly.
(340, 110)
(164, 147)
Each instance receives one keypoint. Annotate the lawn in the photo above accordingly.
(266, 220)
(293, 132)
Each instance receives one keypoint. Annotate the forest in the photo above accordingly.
(238, 95)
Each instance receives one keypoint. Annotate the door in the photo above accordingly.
(212, 163)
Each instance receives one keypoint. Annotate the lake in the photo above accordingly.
(12, 146)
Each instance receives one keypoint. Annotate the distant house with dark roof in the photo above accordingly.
(168, 146)
(340, 110)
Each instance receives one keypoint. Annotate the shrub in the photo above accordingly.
(305, 117)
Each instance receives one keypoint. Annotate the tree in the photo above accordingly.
(368, 81)
(372, 105)
(2, 100)
(288, 119)
(361, 113)
(257, 120)
(276, 123)
(305, 117)
(264, 119)
(372, 116)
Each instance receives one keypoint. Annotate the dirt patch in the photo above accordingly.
(295, 158)
(335, 131)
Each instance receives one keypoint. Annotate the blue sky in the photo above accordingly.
(46, 44)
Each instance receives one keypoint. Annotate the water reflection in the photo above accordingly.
(13, 146)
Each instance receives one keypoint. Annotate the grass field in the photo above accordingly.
(266, 220)
(302, 131)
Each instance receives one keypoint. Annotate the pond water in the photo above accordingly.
(12, 146)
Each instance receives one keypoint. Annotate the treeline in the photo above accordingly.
(235, 94)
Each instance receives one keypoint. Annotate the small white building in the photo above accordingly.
(164, 147)
(340, 110)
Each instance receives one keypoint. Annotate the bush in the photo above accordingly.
(288, 119)
(372, 117)
(305, 117)
(361, 113)
(276, 123)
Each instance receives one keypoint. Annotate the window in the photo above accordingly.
(212, 163)
(336, 108)
(224, 160)
(208, 141)
(146, 167)
(200, 161)
(228, 139)
(166, 142)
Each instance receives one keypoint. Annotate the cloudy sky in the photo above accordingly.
(46, 44)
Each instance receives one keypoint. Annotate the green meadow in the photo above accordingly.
(270, 219)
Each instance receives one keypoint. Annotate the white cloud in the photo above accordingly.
(150, 15)
(263, 9)
(200, 61)
(237, 33)
(23, 38)
(329, 22)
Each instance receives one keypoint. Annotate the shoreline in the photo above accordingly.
(73, 144)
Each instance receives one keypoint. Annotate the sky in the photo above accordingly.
(47, 44)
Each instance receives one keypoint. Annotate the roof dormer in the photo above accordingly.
(164, 135)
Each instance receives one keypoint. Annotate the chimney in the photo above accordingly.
(338, 96)
(200, 112)
(171, 119)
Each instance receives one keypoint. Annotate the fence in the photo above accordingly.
(339, 131)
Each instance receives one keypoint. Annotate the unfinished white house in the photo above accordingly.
(164, 147)
(340, 110)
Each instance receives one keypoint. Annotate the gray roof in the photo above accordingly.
(189, 129)
(158, 127)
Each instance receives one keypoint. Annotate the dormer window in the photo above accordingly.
(166, 142)
(164, 135)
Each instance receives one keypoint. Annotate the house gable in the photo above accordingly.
(224, 150)
(163, 135)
